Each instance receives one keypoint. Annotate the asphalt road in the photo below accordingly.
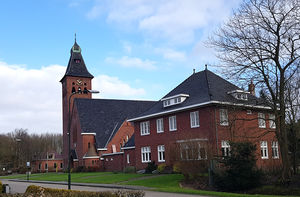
(20, 187)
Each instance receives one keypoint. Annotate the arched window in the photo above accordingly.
(89, 145)
(85, 91)
(79, 90)
(73, 90)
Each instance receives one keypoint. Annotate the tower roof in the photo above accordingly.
(76, 66)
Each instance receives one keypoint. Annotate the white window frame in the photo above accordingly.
(264, 149)
(161, 153)
(145, 128)
(146, 154)
(194, 119)
(114, 148)
(128, 158)
(160, 125)
(225, 147)
(275, 151)
(186, 150)
(224, 117)
(261, 120)
(272, 123)
(172, 123)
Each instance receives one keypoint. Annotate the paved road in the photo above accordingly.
(20, 187)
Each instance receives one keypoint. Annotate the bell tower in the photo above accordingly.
(76, 82)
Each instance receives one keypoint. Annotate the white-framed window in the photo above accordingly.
(114, 149)
(194, 118)
(264, 149)
(225, 146)
(160, 125)
(146, 154)
(128, 158)
(145, 128)
(172, 123)
(275, 153)
(192, 151)
(261, 120)
(224, 117)
(272, 121)
(161, 153)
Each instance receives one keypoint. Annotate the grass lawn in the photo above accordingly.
(164, 183)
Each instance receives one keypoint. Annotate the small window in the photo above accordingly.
(40, 166)
(77, 60)
(172, 123)
(225, 148)
(128, 158)
(160, 125)
(55, 165)
(79, 90)
(92, 162)
(223, 117)
(46, 166)
(145, 128)
(264, 149)
(89, 145)
(249, 112)
(272, 121)
(161, 153)
(61, 165)
(194, 119)
(275, 152)
(261, 120)
(85, 91)
(146, 154)
(114, 149)
(73, 90)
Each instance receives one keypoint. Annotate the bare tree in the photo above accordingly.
(261, 42)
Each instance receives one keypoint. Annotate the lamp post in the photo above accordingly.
(69, 133)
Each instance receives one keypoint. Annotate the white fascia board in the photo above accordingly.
(192, 140)
(93, 157)
(101, 149)
(75, 159)
(238, 91)
(126, 148)
(197, 105)
(88, 134)
(110, 154)
(183, 95)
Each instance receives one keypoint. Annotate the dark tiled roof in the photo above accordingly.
(74, 154)
(130, 143)
(76, 69)
(105, 116)
(202, 87)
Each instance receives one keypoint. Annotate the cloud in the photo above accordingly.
(176, 21)
(132, 62)
(171, 54)
(31, 98)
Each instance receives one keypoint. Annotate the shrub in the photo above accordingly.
(1, 187)
(176, 168)
(40, 191)
(161, 168)
(240, 172)
(129, 169)
(151, 167)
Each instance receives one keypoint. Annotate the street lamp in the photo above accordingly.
(69, 133)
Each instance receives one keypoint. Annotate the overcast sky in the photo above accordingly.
(136, 49)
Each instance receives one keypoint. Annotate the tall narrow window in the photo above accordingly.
(55, 165)
(223, 117)
(128, 158)
(272, 121)
(85, 91)
(89, 145)
(194, 119)
(79, 90)
(73, 90)
(160, 125)
(114, 149)
(264, 149)
(275, 153)
(261, 120)
(61, 165)
(172, 123)
(161, 153)
(225, 148)
(145, 128)
(46, 166)
(146, 154)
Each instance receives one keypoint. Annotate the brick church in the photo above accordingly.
(194, 121)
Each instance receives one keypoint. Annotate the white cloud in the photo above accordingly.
(31, 98)
(176, 21)
(171, 54)
(132, 62)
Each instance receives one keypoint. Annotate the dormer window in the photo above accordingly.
(239, 94)
(174, 100)
(77, 60)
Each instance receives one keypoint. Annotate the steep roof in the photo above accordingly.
(130, 143)
(203, 87)
(76, 66)
(105, 116)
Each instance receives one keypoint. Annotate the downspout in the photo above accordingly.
(216, 125)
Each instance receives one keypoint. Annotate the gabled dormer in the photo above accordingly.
(174, 100)
(239, 94)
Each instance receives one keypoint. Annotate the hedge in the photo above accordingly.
(37, 190)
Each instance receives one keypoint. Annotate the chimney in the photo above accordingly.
(251, 88)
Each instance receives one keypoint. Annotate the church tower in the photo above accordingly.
(78, 80)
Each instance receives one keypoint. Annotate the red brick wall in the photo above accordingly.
(241, 127)
(131, 153)
(113, 163)
(35, 165)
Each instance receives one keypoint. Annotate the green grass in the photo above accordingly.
(163, 183)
